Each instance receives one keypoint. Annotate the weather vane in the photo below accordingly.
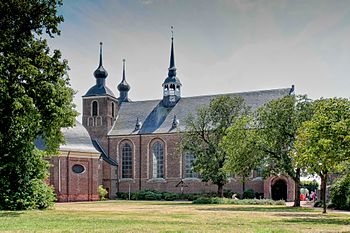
(172, 31)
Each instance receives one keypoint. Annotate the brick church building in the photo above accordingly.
(137, 143)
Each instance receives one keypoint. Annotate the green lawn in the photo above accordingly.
(137, 216)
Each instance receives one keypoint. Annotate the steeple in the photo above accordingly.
(123, 87)
(100, 89)
(172, 69)
(100, 73)
(171, 85)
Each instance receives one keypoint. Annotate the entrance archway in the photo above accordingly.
(279, 190)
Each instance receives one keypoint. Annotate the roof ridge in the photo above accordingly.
(229, 93)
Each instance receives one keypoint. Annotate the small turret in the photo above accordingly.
(171, 85)
(123, 87)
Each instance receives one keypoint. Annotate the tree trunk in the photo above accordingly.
(323, 192)
(297, 188)
(243, 184)
(220, 190)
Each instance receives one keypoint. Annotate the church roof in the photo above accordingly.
(98, 90)
(76, 139)
(155, 118)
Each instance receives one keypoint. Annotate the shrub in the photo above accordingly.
(102, 193)
(259, 195)
(170, 196)
(123, 196)
(217, 200)
(248, 194)
(340, 193)
(34, 194)
(149, 195)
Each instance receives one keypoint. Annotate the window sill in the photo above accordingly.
(157, 180)
(192, 179)
(126, 180)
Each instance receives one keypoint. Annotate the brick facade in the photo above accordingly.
(71, 186)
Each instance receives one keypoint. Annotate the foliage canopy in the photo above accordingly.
(35, 100)
(204, 132)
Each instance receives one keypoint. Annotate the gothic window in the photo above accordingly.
(94, 108)
(158, 160)
(189, 159)
(112, 109)
(126, 161)
(172, 86)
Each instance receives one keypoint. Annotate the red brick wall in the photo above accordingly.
(70, 186)
(173, 170)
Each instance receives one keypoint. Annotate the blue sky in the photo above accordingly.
(220, 46)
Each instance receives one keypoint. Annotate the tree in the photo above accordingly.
(323, 142)
(277, 124)
(239, 144)
(35, 100)
(205, 130)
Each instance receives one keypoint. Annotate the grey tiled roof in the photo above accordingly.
(76, 139)
(99, 90)
(157, 119)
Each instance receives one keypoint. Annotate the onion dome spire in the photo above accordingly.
(100, 89)
(100, 73)
(123, 87)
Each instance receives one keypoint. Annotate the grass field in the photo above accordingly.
(137, 216)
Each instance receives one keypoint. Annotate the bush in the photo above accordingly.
(170, 196)
(217, 200)
(153, 196)
(249, 194)
(259, 195)
(340, 193)
(124, 196)
(35, 194)
(102, 193)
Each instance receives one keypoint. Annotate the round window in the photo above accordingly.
(77, 168)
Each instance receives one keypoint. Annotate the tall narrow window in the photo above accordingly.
(126, 161)
(112, 109)
(94, 108)
(158, 160)
(189, 159)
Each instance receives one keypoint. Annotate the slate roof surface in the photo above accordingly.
(157, 119)
(76, 139)
(99, 90)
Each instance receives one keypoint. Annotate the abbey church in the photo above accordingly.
(126, 144)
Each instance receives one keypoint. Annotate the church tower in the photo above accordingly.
(171, 85)
(99, 106)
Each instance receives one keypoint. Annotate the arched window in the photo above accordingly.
(189, 159)
(112, 109)
(158, 160)
(126, 161)
(94, 108)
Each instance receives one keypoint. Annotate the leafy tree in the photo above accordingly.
(277, 124)
(35, 99)
(340, 192)
(239, 144)
(323, 142)
(205, 130)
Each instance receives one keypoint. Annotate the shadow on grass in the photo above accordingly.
(259, 209)
(319, 221)
(10, 214)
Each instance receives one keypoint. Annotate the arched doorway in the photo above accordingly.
(279, 190)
